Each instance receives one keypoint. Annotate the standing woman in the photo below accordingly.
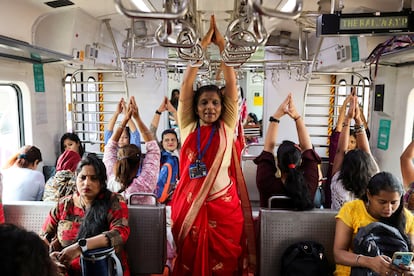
(93, 217)
(122, 163)
(206, 211)
(129, 135)
(351, 169)
(21, 180)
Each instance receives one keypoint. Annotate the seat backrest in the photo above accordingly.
(28, 214)
(146, 245)
(279, 229)
(147, 242)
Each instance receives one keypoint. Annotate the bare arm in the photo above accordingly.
(157, 115)
(343, 138)
(118, 132)
(361, 134)
(228, 71)
(342, 111)
(119, 108)
(303, 135)
(190, 74)
(272, 130)
(407, 166)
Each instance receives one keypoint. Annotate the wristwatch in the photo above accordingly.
(82, 245)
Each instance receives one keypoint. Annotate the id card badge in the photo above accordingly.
(197, 170)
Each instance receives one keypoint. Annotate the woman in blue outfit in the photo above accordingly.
(130, 135)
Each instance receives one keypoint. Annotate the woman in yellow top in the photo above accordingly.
(382, 202)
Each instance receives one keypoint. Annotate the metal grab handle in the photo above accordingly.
(282, 197)
(195, 53)
(187, 38)
(181, 11)
(257, 6)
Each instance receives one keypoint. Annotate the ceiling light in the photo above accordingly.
(289, 6)
(142, 5)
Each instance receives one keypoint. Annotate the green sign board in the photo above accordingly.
(354, 48)
(39, 78)
(384, 134)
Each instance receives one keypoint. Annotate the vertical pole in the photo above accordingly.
(101, 109)
(331, 111)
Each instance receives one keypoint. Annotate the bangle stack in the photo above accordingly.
(359, 129)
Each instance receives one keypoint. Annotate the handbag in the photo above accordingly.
(101, 262)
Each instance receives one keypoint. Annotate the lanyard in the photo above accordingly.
(201, 154)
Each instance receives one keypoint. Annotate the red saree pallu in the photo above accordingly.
(206, 228)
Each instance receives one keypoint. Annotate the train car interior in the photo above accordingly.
(65, 64)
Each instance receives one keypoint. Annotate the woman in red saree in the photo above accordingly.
(206, 210)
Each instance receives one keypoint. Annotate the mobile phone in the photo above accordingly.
(403, 258)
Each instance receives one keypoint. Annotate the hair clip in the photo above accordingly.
(22, 156)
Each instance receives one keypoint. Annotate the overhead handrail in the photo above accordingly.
(181, 10)
(257, 6)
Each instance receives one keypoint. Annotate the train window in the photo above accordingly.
(341, 92)
(363, 93)
(11, 121)
(92, 109)
(68, 99)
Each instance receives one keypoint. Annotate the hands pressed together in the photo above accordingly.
(213, 35)
(287, 107)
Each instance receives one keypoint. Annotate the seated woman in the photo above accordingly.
(24, 253)
(122, 164)
(63, 182)
(251, 121)
(333, 143)
(169, 153)
(71, 141)
(299, 175)
(130, 134)
(93, 213)
(21, 180)
(382, 202)
(351, 169)
(407, 171)
(169, 170)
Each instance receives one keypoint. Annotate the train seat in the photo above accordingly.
(147, 242)
(146, 245)
(280, 228)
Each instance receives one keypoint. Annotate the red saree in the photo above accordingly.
(207, 229)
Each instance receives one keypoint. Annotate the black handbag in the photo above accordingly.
(101, 262)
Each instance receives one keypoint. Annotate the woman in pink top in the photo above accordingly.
(122, 164)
